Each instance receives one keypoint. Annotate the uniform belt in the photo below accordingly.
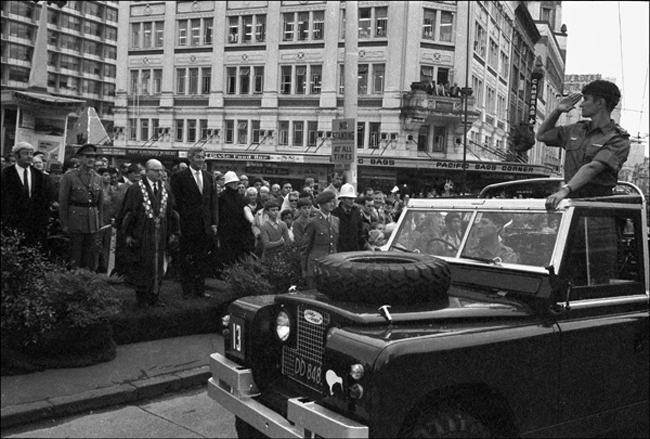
(77, 204)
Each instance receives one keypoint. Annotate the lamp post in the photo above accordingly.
(465, 93)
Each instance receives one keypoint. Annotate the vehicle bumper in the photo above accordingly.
(233, 387)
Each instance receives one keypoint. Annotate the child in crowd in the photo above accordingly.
(275, 234)
(298, 225)
(287, 216)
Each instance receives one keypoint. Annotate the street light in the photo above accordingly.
(465, 93)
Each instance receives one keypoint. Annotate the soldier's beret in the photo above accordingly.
(325, 197)
(88, 148)
(603, 88)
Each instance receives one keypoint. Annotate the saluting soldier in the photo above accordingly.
(80, 208)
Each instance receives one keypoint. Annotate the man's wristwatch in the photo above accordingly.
(567, 187)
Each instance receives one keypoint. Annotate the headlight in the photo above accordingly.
(283, 326)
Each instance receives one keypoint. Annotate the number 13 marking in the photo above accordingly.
(236, 337)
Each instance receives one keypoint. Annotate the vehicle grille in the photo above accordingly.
(304, 363)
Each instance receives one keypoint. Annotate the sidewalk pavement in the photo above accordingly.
(139, 371)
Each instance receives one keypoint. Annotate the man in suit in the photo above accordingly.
(321, 236)
(196, 204)
(148, 226)
(25, 196)
(81, 209)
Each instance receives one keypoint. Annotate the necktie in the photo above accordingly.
(155, 189)
(26, 182)
(199, 181)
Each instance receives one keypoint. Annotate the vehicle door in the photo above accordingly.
(604, 333)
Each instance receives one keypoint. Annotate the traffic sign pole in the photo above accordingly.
(351, 82)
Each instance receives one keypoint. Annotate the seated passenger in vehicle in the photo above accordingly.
(487, 244)
(453, 233)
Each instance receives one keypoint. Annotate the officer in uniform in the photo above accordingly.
(80, 208)
(321, 236)
(595, 149)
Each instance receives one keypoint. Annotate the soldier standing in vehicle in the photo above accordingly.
(595, 150)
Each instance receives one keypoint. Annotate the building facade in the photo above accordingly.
(258, 84)
(65, 65)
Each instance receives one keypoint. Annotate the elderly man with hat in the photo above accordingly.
(235, 234)
(321, 236)
(352, 236)
(25, 196)
(485, 242)
(81, 209)
(595, 149)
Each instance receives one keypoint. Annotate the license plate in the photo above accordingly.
(237, 336)
(305, 371)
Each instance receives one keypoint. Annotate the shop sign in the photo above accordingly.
(510, 168)
(144, 152)
(112, 151)
(343, 142)
(288, 158)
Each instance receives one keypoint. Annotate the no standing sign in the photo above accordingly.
(343, 143)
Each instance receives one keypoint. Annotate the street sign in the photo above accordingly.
(343, 143)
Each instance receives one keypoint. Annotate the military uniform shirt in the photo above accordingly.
(609, 145)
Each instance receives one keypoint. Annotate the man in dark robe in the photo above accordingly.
(149, 225)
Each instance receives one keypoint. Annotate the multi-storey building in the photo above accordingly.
(258, 84)
(69, 61)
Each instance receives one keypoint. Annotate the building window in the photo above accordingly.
(179, 129)
(230, 131)
(191, 130)
(429, 24)
(446, 26)
(252, 27)
(195, 32)
(480, 38)
(303, 26)
(244, 80)
(298, 133)
(206, 78)
(316, 79)
(233, 30)
(423, 138)
(144, 129)
(155, 127)
(318, 25)
(341, 78)
(361, 134)
(147, 35)
(490, 100)
(144, 82)
(285, 80)
(373, 22)
(157, 81)
(301, 75)
(283, 133)
(378, 73)
(255, 126)
(373, 135)
(180, 81)
(203, 129)
(493, 57)
(231, 80)
(439, 139)
(363, 79)
(312, 132)
(159, 33)
(133, 127)
(259, 79)
(381, 22)
(242, 132)
(144, 35)
(194, 81)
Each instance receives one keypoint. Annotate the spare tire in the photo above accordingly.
(382, 277)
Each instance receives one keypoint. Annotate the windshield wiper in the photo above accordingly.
(495, 261)
(403, 249)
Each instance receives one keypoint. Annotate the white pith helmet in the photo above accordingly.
(230, 177)
(347, 191)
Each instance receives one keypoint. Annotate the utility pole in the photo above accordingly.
(350, 104)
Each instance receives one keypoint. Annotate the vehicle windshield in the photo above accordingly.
(523, 238)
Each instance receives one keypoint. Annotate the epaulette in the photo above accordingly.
(621, 130)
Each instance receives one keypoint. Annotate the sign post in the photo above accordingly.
(343, 143)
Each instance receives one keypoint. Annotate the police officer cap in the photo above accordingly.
(603, 88)
(88, 148)
(325, 197)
